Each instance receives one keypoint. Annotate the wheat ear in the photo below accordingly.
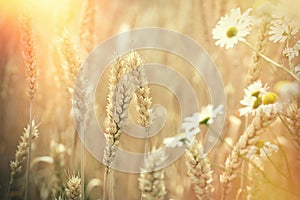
(22, 152)
(77, 87)
(87, 28)
(199, 171)
(73, 188)
(29, 54)
(134, 64)
(249, 137)
(151, 181)
(116, 113)
(71, 59)
(255, 65)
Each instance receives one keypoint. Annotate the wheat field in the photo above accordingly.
(43, 47)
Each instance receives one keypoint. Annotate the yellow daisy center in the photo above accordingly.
(269, 98)
(231, 32)
(204, 121)
(258, 100)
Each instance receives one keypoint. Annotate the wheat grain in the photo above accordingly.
(73, 188)
(200, 172)
(80, 98)
(151, 181)
(249, 137)
(134, 64)
(71, 59)
(255, 65)
(112, 131)
(121, 100)
(29, 52)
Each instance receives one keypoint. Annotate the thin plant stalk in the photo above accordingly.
(27, 178)
(105, 181)
(147, 141)
(82, 160)
(241, 190)
(272, 61)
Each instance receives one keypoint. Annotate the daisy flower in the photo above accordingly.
(233, 28)
(269, 104)
(253, 98)
(280, 31)
(290, 52)
(191, 126)
(287, 20)
(261, 150)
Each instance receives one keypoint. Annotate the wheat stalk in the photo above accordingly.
(199, 171)
(255, 65)
(73, 188)
(77, 87)
(58, 155)
(22, 152)
(293, 121)
(29, 55)
(151, 181)
(249, 137)
(254, 178)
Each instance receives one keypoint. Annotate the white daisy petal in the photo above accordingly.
(190, 126)
(262, 150)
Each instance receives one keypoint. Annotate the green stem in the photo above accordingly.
(272, 61)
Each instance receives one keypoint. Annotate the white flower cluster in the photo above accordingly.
(191, 124)
(285, 25)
